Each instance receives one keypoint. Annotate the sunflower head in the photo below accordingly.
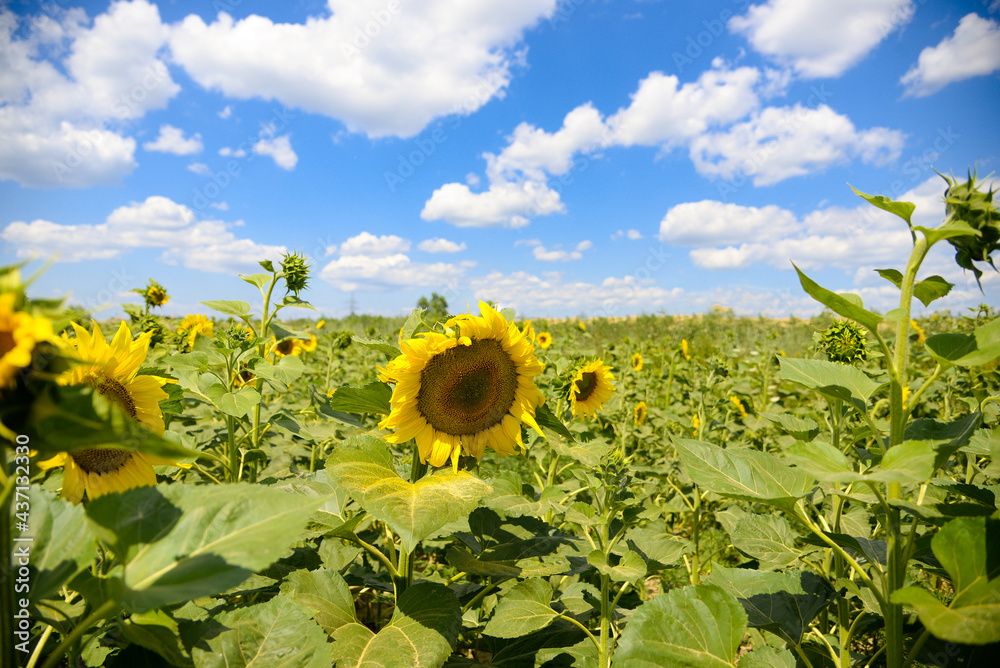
(685, 349)
(582, 325)
(20, 335)
(844, 342)
(464, 390)
(591, 384)
(966, 203)
(286, 347)
(111, 369)
(320, 324)
(193, 325)
(308, 345)
(637, 362)
(295, 271)
(640, 413)
(154, 294)
(544, 340)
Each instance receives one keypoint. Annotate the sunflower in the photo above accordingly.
(590, 387)
(641, 411)
(319, 325)
(459, 392)
(310, 345)
(286, 347)
(582, 325)
(192, 325)
(544, 340)
(19, 332)
(685, 350)
(637, 362)
(739, 405)
(529, 331)
(111, 370)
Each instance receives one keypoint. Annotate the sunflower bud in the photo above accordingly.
(964, 202)
(155, 294)
(844, 342)
(295, 272)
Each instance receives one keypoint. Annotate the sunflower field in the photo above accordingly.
(245, 487)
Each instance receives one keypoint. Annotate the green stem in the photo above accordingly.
(670, 379)
(583, 628)
(265, 322)
(925, 634)
(604, 653)
(106, 609)
(695, 537)
(44, 638)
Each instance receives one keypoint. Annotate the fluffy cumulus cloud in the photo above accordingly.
(370, 262)
(158, 222)
(504, 204)
(382, 68)
(172, 140)
(972, 50)
(728, 236)
(817, 38)
(63, 113)
(778, 143)
(772, 144)
(559, 254)
(278, 148)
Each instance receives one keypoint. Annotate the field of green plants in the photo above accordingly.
(249, 487)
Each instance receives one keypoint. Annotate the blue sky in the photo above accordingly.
(578, 157)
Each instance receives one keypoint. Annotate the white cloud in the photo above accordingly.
(505, 204)
(379, 71)
(439, 245)
(158, 222)
(781, 142)
(586, 244)
(221, 206)
(664, 112)
(818, 38)
(972, 50)
(370, 245)
(708, 222)
(631, 235)
(556, 255)
(279, 148)
(226, 112)
(227, 152)
(172, 140)
(549, 293)
(859, 239)
(67, 87)
(200, 168)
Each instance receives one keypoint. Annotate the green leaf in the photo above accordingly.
(743, 474)
(181, 542)
(158, 632)
(546, 419)
(768, 538)
(657, 546)
(700, 625)
(892, 275)
(281, 332)
(325, 594)
(767, 657)
(804, 429)
(388, 349)
(783, 603)
(953, 228)
(372, 398)
(288, 369)
(967, 549)
(259, 280)
(421, 634)
(293, 301)
(833, 380)
(902, 209)
(522, 610)
(234, 308)
(363, 465)
(237, 403)
(931, 288)
(413, 322)
(275, 634)
(967, 350)
(838, 303)
(465, 561)
(911, 461)
(629, 569)
(63, 544)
